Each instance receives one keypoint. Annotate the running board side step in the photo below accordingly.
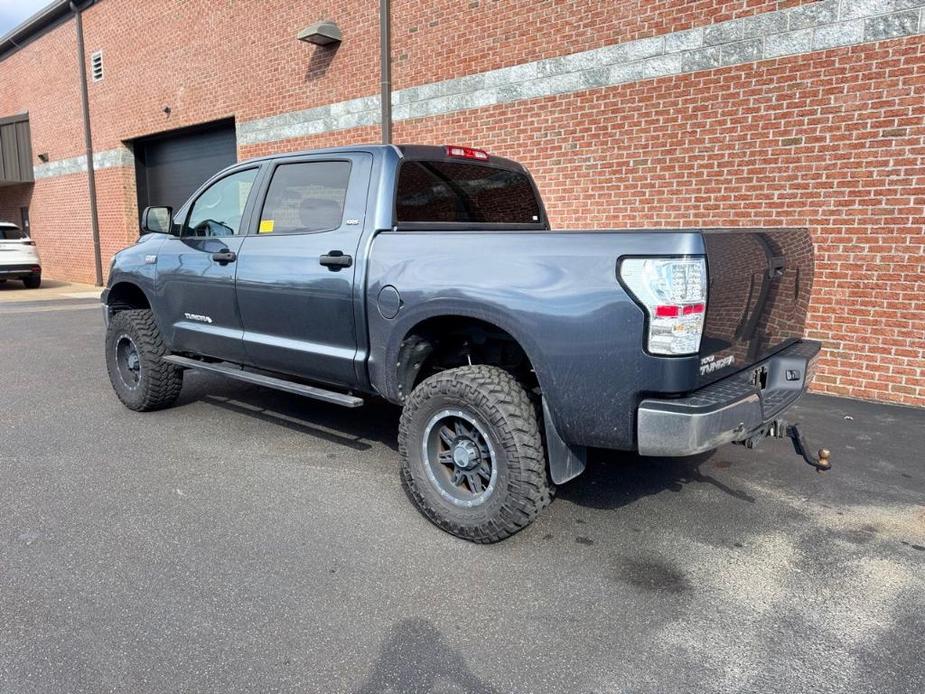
(234, 371)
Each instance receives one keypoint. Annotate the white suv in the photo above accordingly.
(19, 259)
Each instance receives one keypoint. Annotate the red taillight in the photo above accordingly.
(466, 153)
(675, 311)
(673, 293)
(667, 311)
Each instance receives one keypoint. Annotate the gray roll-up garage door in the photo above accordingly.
(170, 167)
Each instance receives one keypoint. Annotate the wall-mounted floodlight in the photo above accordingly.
(322, 33)
(43, 157)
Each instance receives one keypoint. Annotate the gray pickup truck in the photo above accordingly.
(429, 276)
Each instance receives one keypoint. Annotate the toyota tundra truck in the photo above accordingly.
(430, 277)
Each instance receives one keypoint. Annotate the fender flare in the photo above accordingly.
(565, 461)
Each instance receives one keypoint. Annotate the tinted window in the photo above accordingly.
(455, 192)
(11, 234)
(218, 211)
(306, 197)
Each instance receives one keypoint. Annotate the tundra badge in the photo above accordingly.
(710, 364)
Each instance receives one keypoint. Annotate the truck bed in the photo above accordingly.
(557, 294)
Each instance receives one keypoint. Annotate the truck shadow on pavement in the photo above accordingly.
(614, 479)
(374, 423)
(417, 657)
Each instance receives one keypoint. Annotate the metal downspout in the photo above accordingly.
(385, 60)
(88, 142)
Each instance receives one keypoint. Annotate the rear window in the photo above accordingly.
(306, 197)
(451, 192)
(11, 234)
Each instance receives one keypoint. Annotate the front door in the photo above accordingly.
(196, 270)
(295, 275)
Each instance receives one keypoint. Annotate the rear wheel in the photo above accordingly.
(33, 282)
(472, 457)
(143, 381)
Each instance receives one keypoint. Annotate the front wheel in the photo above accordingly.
(143, 381)
(472, 457)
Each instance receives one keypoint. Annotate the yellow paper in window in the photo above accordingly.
(266, 226)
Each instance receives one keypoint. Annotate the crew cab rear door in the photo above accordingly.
(297, 268)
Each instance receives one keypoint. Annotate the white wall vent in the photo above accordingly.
(96, 66)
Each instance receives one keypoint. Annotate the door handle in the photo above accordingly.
(224, 257)
(335, 260)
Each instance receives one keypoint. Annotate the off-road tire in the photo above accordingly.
(33, 282)
(503, 409)
(159, 382)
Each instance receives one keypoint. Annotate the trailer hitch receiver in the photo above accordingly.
(779, 429)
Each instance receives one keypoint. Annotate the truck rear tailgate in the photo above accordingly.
(759, 289)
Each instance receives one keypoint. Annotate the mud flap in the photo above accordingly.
(566, 461)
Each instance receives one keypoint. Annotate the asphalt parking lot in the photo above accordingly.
(251, 540)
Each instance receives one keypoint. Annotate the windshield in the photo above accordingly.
(451, 192)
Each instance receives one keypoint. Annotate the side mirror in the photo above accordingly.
(156, 220)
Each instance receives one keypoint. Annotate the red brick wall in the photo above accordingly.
(42, 79)
(60, 221)
(208, 60)
(60, 217)
(117, 202)
(489, 34)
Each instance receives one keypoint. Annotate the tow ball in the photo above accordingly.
(779, 429)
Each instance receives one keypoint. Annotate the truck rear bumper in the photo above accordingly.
(728, 410)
